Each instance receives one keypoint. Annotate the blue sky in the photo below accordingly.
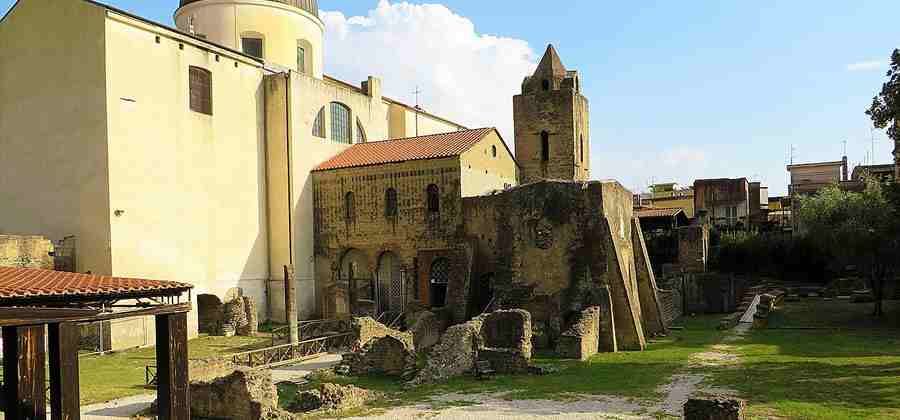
(680, 90)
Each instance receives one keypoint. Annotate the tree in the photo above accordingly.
(885, 108)
(857, 228)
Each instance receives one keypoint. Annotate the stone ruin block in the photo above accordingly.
(426, 328)
(582, 339)
(252, 325)
(244, 394)
(26, 252)
(714, 408)
(506, 360)
(386, 356)
(332, 397)
(366, 329)
(454, 355)
(508, 329)
(210, 314)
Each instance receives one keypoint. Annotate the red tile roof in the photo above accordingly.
(648, 213)
(401, 150)
(29, 285)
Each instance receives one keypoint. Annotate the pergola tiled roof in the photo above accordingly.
(647, 213)
(35, 287)
(401, 150)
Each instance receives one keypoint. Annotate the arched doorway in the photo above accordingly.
(356, 279)
(390, 291)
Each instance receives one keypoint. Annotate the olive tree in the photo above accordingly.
(858, 228)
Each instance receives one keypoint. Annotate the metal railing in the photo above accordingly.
(289, 353)
(312, 329)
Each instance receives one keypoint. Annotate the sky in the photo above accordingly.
(677, 90)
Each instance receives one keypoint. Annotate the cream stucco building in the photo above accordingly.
(180, 153)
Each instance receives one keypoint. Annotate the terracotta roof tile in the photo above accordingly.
(401, 150)
(647, 213)
(19, 284)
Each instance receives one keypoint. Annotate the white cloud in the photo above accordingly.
(865, 65)
(464, 75)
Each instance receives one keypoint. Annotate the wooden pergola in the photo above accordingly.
(40, 304)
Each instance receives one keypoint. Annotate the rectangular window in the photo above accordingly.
(301, 60)
(200, 87)
(252, 47)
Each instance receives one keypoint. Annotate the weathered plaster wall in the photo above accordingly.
(26, 252)
(53, 126)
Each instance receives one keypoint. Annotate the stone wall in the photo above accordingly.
(244, 394)
(370, 233)
(26, 252)
(506, 340)
(551, 247)
(693, 248)
(581, 339)
(671, 303)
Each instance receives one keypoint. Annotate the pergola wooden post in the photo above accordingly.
(23, 372)
(64, 388)
(172, 367)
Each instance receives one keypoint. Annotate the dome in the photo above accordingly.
(310, 6)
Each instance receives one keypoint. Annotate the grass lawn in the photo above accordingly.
(118, 375)
(849, 369)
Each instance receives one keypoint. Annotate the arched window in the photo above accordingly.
(439, 278)
(360, 133)
(493, 151)
(318, 128)
(434, 199)
(340, 123)
(200, 90)
(390, 203)
(545, 84)
(349, 207)
(545, 146)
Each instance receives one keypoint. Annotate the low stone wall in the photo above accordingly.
(454, 355)
(426, 328)
(244, 394)
(366, 329)
(26, 252)
(581, 340)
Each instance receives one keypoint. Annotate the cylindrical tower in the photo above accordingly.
(288, 33)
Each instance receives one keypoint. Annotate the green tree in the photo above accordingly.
(857, 228)
(885, 108)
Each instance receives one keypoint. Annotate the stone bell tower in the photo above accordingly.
(551, 124)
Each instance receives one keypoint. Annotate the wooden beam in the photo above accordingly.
(10, 317)
(172, 367)
(24, 373)
(64, 388)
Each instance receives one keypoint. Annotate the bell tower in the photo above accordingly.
(551, 124)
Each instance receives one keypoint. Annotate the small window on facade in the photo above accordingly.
(439, 278)
(252, 46)
(340, 123)
(545, 84)
(349, 207)
(360, 133)
(545, 146)
(200, 90)
(390, 203)
(493, 151)
(301, 59)
(318, 128)
(434, 199)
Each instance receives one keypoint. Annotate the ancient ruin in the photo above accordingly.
(385, 356)
(331, 398)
